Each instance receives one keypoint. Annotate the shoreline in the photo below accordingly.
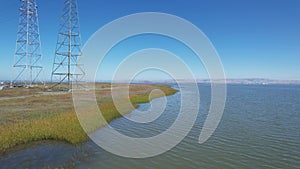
(65, 127)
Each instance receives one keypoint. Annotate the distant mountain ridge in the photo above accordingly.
(227, 81)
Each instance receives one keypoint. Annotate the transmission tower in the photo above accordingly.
(27, 66)
(68, 49)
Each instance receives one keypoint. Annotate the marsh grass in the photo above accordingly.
(52, 117)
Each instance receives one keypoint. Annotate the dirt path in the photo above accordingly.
(38, 94)
(50, 94)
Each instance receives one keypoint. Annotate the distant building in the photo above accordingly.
(2, 85)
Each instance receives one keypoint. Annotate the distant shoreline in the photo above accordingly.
(262, 81)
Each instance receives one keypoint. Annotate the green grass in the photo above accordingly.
(48, 117)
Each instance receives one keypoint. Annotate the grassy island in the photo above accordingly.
(28, 115)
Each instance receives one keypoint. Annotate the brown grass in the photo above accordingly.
(44, 117)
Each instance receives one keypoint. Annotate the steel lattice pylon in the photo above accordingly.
(68, 49)
(27, 66)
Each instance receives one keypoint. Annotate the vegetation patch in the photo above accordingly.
(52, 117)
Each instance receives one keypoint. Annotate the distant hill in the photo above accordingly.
(228, 81)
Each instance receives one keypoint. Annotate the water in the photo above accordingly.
(260, 128)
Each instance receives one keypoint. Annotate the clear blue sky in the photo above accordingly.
(254, 38)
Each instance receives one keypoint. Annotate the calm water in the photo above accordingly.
(260, 128)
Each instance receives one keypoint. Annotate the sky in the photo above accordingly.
(254, 38)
